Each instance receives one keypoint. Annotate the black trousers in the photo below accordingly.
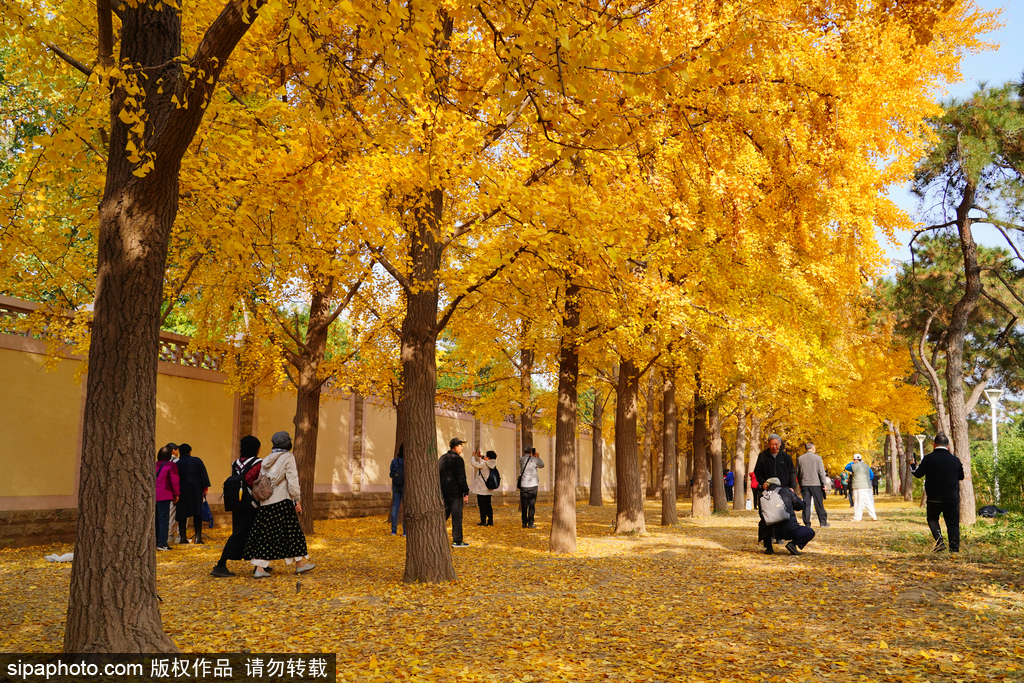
(528, 504)
(728, 493)
(801, 535)
(815, 494)
(197, 523)
(486, 511)
(951, 511)
(453, 509)
(241, 525)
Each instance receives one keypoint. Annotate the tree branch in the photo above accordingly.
(68, 58)
(379, 257)
(972, 401)
(181, 286)
(450, 310)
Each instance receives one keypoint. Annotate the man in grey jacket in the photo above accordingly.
(810, 472)
(528, 484)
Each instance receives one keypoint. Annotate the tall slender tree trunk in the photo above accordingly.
(629, 499)
(670, 427)
(597, 461)
(112, 601)
(428, 554)
(739, 470)
(717, 469)
(956, 333)
(647, 453)
(563, 514)
(753, 448)
(526, 357)
(700, 496)
(894, 458)
(890, 475)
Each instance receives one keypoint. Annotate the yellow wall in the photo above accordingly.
(201, 414)
(585, 458)
(40, 418)
(378, 446)
(333, 472)
(449, 427)
(274, 414)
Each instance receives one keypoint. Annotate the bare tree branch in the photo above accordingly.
(68, 58)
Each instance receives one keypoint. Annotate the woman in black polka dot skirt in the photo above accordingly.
(276, 533)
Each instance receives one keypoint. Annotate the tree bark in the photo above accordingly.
(890, 475)
(700, 496)
(526, 357)
(428, 555)
(647, 452)
(717, 469)
(670, 426)
(739, 471)
(597, 461)
(563, 514)
(753, 448)
(895, 474)
(112, 601)
(629, 498)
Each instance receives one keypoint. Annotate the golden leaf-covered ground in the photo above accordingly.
(697, 602)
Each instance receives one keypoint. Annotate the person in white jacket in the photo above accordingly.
(529, 482)
(276, 533)
(483, 466)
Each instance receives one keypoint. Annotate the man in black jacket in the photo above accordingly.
(775, 462)
(454, 488)
(788, 529)
(943, 472)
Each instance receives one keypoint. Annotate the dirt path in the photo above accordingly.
(698, 602)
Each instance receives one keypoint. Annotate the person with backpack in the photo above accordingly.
(529, 482)
(166, 492)
(195, 482)
(397, 474)
(778, 512)
(239, 501)
(480, 485)
(276, 533)
(773, 462)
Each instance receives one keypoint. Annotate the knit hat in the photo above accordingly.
(249, 446)
(281, 440)
(774, 480)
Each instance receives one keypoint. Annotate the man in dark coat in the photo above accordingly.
(194, 482)
(775, 462)
(788, 529)
(943, 472)
(454, 488)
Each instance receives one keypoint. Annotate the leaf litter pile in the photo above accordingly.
(696, 602)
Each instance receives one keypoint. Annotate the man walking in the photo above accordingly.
(860, 482)
(810, 470)
(528, 484)
(943, 473)
(773, 463)
(454, 488)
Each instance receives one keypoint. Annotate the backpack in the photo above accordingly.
(773, 508)
(264, 487)
(237, 495)
(398, 473)
(493, 480)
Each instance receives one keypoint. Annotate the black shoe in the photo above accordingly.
(490, 523)
(531, 526)
(221, 572)
(481, 523)
(793, 550)
(939, 547)
(768, 550)
(825, 525)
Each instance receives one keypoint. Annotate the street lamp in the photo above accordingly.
(920, 446)
(993, 396)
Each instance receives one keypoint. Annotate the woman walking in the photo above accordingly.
(167, 490)
(483, 467)
(195, 482)
(248, 466)
(276, 534)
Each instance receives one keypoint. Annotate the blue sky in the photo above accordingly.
(996, 67)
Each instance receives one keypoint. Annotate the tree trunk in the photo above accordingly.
(717, 469)
(647, 452)
(597, 461)
(894, 458)
(890, 476)
(753, 448)
(112, 601)
(739, 471)
(955, 335)
(563, 513)
(428, 555)
(629, 498)
(670, 426)
(700, 496)
(526, 356)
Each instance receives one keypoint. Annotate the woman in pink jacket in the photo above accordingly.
(167, 490)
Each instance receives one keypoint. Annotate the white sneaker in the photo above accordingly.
(260, 574)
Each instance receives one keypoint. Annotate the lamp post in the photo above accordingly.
(993, 396)
(920, 446)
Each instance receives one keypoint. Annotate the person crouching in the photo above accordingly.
(789, 529)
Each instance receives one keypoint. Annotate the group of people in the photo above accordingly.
(261, 530)
(456, 487)
(775, 468)
(181, 486)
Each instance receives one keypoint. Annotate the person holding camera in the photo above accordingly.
(529, 481)
(483, 466)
